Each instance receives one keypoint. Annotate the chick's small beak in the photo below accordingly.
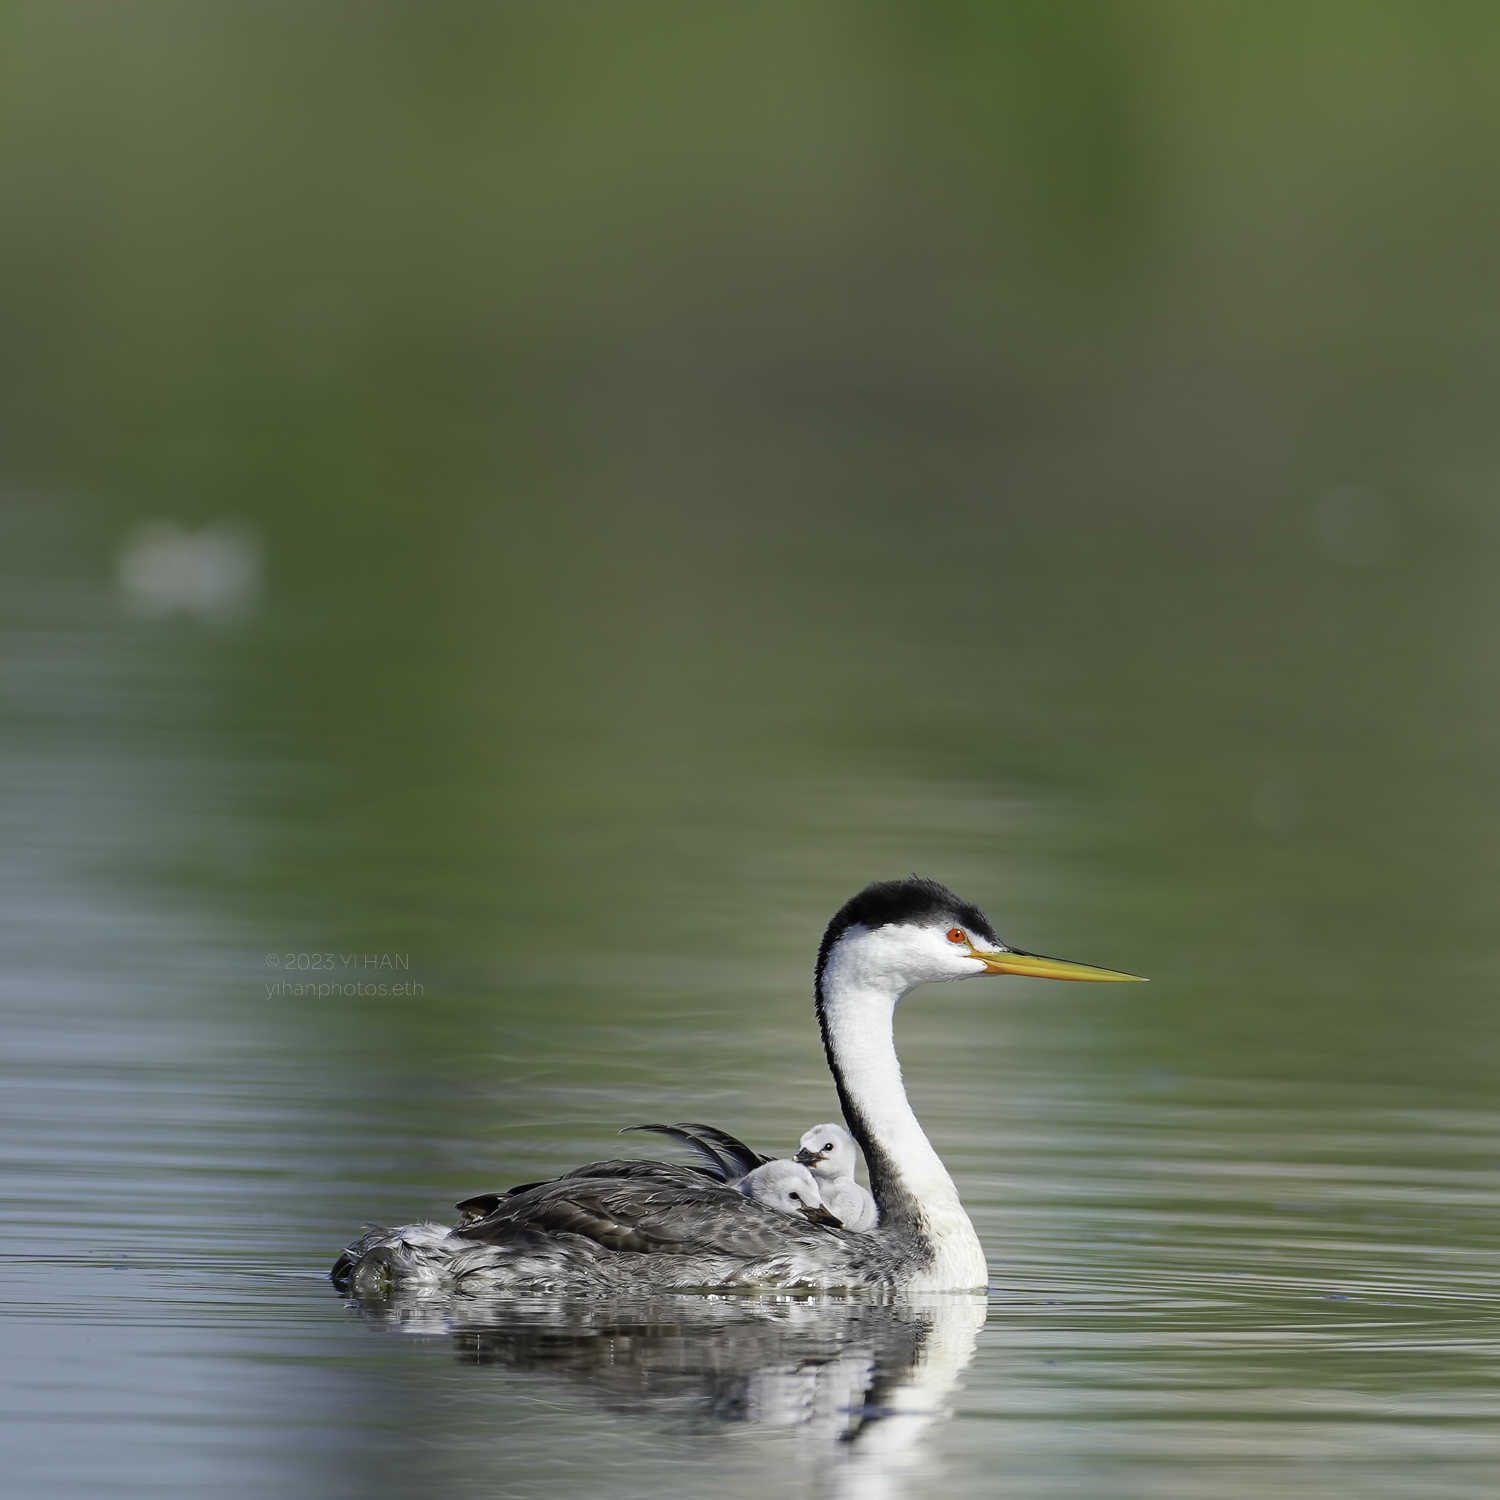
(1034, 966)
(808, 1158)
(820, 1215)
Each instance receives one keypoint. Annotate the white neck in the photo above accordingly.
(908, 1178)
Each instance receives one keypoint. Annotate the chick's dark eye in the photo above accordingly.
(795, 1197)
(828, 1145)
(957, 935)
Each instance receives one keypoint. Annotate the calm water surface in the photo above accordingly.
(1242, 1289)
(1237, 1287)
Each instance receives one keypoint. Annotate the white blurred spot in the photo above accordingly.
(1354, 525)
(1278, 805)
(213, 573)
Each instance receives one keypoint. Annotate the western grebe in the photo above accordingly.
(830, 1153)
(639, 1225)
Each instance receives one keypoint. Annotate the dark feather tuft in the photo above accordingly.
(740, 1155)
(721, 1169)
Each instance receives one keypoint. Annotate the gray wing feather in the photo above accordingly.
(645, 1214)
(721, 1169)
(735, 1149)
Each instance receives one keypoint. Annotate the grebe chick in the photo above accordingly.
(829, 1152)
(789, 1187)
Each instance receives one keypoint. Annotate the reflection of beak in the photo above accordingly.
(809, 1158)
(1013, 961)
(820, 1215)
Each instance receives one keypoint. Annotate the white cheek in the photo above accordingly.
(899, 956)
(923, 954)
(953, 961)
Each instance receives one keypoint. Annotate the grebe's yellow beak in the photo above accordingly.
(1034, 966)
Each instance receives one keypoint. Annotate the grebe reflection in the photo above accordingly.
(859, 1380)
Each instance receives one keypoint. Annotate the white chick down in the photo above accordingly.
(829, 1152)
(789, 1187)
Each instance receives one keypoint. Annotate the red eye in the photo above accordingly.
(957, 935)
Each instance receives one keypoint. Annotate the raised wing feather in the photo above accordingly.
(735, 1149)
(722, 1170)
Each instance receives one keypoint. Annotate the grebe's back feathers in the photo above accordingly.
(663, 1210)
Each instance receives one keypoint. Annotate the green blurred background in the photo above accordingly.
(700, 459)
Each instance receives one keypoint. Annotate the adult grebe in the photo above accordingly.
(644, 1225)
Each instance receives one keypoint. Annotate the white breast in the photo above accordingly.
(851, 1204)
